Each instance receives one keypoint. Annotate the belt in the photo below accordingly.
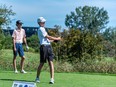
(18, 42)
(45, 45)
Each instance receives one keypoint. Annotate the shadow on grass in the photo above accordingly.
(15, 80)
(89, 73)
(21, 80)
(102, 74)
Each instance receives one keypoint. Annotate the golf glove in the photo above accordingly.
(27, 47)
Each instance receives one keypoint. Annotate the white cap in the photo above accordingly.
(41, 19)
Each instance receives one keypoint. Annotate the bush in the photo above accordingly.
(8, 44)
(2, 37)
(33, 42)
(97, 67)
(63, 67)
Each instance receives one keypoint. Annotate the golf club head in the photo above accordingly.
(56, 41)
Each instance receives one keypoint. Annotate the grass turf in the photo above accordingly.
(61, 79)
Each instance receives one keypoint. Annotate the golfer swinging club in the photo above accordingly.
(18, 37)
(46, 52)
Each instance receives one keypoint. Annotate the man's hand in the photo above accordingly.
(27, 47)
(56, 41)
(15, 49)
(59, 38)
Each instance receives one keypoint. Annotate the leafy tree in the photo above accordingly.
(5, 13)
(109, 41)
(88, 18)
(109, 34)
(2, 37)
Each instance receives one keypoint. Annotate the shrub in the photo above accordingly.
(7, 42)
(97, 67)
(33, 42)
(63, 67)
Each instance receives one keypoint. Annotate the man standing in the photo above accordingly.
(18, 37)
(46, 52)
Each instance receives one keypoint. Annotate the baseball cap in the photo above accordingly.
(41, 19)
(19, 22)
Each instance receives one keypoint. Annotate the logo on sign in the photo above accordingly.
(23, 84)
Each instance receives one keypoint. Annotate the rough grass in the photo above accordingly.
(106, 65)
(31, 61)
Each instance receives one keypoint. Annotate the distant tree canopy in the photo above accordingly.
(109, 42)
(90, 18)
(109, 34)
(5, 13)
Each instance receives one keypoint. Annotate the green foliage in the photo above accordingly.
(63, 67)
(2, 37)
(81, 46)
(102, 66)
(109, 34)
(33, 42)
(77, 45)
(109, 42)
(106, 65)
(7, 43)
(5, 13)
(88, 18)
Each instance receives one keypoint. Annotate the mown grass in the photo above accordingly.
(7, 76)
(61, 79)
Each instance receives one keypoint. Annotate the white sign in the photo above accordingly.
(23, 84)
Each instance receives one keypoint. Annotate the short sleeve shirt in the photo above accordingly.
(42, 36)
(19, 35)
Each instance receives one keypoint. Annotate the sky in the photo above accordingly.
(54, 11)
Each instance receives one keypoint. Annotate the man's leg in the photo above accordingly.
(38, 72)
(39, 69)
(14, 63)
(22, 62)
(51, 65)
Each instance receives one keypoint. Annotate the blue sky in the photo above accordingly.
(54, 11)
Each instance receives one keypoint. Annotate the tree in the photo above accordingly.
(88, 18)
(5, 13)
(109, 41)
(109, 34)
(2, 37)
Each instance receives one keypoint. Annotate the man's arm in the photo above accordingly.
(53, 38)
(14, 47)
(25, 41)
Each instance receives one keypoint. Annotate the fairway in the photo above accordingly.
(61, 79)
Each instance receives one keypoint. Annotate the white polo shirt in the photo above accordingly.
(42, 36)
(19, 35)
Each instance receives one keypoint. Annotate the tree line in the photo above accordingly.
(83, 40)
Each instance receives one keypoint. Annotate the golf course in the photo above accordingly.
(73, 79)
(57, 43)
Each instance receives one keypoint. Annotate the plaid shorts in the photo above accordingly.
(46, 53)
(19, 50)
